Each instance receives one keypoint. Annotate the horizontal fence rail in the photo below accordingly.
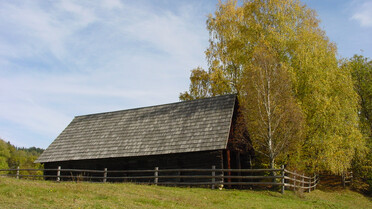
(213, 177)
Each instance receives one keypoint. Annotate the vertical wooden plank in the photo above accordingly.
(156, 174)
(59, 173)
(179, 174)
(228, 164)
(222, 173)
(222, 160)
(17, 172)
(213, 178)
(310, 184)
(294, 182)
(237, 156)
(105, 175)
(283, 180)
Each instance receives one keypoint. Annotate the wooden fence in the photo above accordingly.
(211, 177)
(347, 178)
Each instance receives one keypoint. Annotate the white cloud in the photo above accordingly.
(81, 15)
(364, 14)
(168, 32)
(112, 4)
(32, 27)
(64, 58)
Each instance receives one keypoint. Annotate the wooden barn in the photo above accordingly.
(191, 134)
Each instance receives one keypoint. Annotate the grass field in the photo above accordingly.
(43, 194)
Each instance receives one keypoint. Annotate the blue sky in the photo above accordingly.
(59, 59)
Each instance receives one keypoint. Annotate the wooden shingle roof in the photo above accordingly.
(190, 126)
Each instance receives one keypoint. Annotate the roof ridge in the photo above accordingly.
(152, 106)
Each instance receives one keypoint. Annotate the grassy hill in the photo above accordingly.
(43, 194)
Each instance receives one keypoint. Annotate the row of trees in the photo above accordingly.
(12, 157)
(361, 71)
(303, 107)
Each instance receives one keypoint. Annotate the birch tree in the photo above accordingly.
(274, 120)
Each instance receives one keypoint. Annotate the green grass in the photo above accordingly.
(45, 194)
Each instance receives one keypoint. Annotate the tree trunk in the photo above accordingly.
(272, 166)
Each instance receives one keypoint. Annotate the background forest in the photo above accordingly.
(303, 105)
(11, 156)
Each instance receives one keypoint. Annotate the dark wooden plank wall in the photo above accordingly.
(203, 159)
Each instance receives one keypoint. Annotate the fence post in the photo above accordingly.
(213, 178)
(179, 174)
(222, 180)
(59, 173)
(343, 179)
(303, 181)
(294, 182)
(156, 176)
(351, 177)
(105, 175)
(283, 180)
(315, 181)
(17, 172)
(310, 179)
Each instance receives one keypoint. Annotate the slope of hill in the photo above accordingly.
(43, 194)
